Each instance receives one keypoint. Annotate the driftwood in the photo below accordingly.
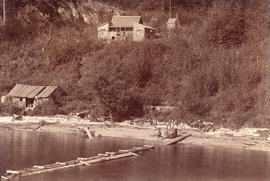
(41, 123)
(87, 131)
(202, 125)
(16, 117)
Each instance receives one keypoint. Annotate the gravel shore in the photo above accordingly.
(247, 138)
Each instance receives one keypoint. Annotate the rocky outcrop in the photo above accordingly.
(64, 11)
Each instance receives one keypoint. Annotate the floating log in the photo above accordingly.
(123, 151)
(148, 146)
(60, 163)
(39, 167)
(82, 159)
(12, 172)
(110, 153)
(103, 154)
(4, 178)
(138, 148)
(85, 163)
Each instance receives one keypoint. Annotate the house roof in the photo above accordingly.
(172, 20)
(30, 91)
(103, 24)
(125, 21)
(144, 26)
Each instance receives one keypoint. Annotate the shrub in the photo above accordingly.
(45, 109)
(9, 109)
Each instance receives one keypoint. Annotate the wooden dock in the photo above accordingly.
(108, 156)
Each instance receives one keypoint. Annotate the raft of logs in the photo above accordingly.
(101, 157)
(108, 156)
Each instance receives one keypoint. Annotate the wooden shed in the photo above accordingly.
(29, 96)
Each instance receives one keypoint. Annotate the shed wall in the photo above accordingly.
(138, 33)
(19, 102)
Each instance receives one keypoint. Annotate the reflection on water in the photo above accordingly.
(171, 163)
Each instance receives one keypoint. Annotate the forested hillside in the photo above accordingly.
(214, 68)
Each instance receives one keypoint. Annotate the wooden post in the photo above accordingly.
(4, 11)
(170, 15)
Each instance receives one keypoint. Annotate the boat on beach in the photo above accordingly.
(170, 141)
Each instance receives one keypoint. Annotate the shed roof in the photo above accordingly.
(103, 24)
(126, 21)
(172, 20)
(31, 91)
(25, 91)
(46, 92)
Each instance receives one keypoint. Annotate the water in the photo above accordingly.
(172, 163)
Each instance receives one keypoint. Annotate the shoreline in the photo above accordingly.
(246, 138)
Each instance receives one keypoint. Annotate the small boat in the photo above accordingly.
(174, 140)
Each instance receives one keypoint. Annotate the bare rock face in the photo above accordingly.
(63, 11)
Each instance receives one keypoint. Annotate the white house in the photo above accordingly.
(125, 28)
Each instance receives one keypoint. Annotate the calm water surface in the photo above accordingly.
(172, 163)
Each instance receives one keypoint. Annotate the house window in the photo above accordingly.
(113, 38)
(129, 29)
(112, 29)
(21, 99)
(139, 32)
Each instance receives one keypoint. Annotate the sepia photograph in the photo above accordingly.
(134, 90)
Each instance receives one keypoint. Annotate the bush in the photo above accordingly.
(9, 109)
(45, 109)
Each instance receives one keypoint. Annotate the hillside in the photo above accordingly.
(215, 67)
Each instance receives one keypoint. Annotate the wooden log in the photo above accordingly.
(138, 148)
(135, 154)
(82, 159)
(39, 167)
(123, 151)
(60, 163)
(110, 153)
(12, 172)
(102, 155)
(148, 146)
(84, 163)
(4, 178)
(86, 130)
